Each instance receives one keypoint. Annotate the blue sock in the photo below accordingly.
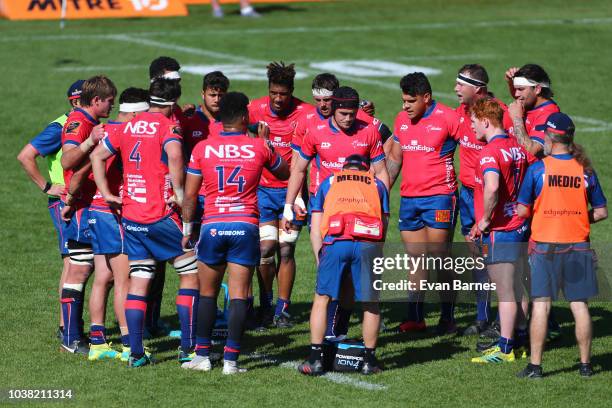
(135, 309)
(416, 311)
(187, 310)
(447, 311)
(71, 304)
(265, 299)
(342, 321)
(332, 315)
(281, 306)
(231, 350)
(203, 345)
(522, 337)
(125, 340)
(505, 345)
(97, 334)
(483, 304)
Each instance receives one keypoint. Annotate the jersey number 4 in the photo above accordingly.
(232, 180)
(135, 155)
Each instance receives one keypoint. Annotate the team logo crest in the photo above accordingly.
(72, 127)
(213, 232)
(443, 215)
(176, 130)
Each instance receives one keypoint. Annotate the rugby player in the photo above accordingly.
(425, 134)
(48, 144)
(230, 166)
(280, 110)
(329, 142)
(530, 86)
(471, 86)
(78, 139)
(557, 192)
(152, 157)
(246, 10)
(499, 231)
(349, 198)
(107, 237)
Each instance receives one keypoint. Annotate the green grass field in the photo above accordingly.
(39, 61)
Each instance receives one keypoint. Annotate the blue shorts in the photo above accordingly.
(352, 257)
(160, 240)
(222, 242)
(437, 211)
(77, 229)
(568, 267)
(271, 203)
(55, 211)
(504, 246)
(106, 231)
(466, 209)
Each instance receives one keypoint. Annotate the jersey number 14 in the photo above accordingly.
(232, 180)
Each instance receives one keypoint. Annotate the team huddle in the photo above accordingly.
(222, 187)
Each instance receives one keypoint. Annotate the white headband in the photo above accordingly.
(522, 81)
(322, 93)
(161, 101)
(466, 80)
(133, 107)
(169, 75)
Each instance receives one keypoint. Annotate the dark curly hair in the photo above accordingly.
(281, 74)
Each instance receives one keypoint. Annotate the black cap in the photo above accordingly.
(357, 160)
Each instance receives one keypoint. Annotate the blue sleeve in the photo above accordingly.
(49, 141)
(319, 198)
(594, 192)
(527, 192)
(384, 197)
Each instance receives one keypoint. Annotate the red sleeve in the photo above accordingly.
(299, 133)
(113, 139)
(254, 116)
(489, 161)
(172, 132)
(194, 160)
(75, 132)
(308, 145)
(272, 158)
(396, 127)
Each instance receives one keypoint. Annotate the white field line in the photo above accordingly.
(597, 125)
(101, 68)
(332, 29)
(337, 378)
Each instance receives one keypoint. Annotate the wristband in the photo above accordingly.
(47, 187)
(187, 228)
(288, 212)
(299, 201)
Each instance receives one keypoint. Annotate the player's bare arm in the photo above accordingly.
(296, 179)
(192, 186)
(73, 155)
(490, 195)
(509, 76)
(381, 173)
(98, 160)
(516, 112)
(394, 163)
(315, 234)
(27, 157)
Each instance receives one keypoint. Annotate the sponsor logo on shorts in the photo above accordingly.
(136, 228)
(443, 215)
(91, 221)
(232, 233)
(213, 232)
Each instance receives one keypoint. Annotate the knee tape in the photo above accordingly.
(268, 233)
(187, 265)
(290, 238)
(81, 256)
(267, 260)
(142, 269)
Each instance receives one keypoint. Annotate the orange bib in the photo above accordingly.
(561, 212)
(352, 206)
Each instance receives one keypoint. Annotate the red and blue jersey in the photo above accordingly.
(330, 146)
(231, 166)
(504, 156)
(534, 181)
(146, 179)
(469, 146)
(76, 130)
(114, 173)
(428, 145)
(281, 131)
(197, 128)
(534, 117)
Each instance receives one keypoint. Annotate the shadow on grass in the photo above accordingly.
(264, 10)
